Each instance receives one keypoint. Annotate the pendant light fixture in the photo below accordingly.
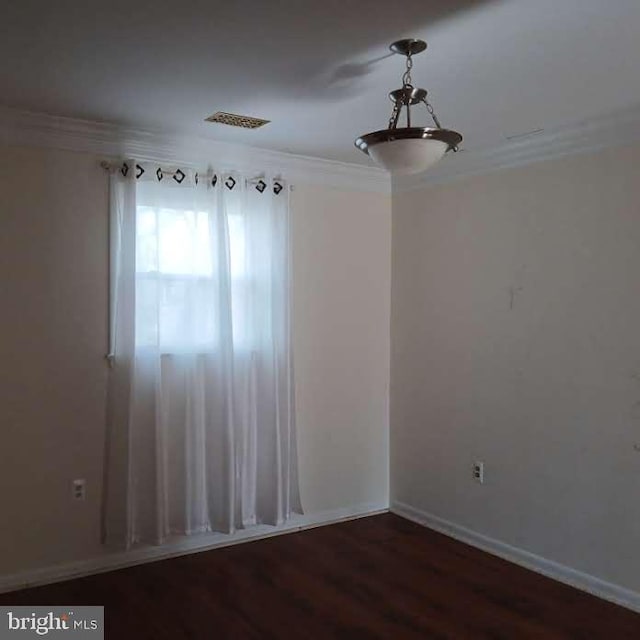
(407, 150)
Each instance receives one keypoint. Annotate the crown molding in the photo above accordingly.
(42, 130)
(71, 134)
(616, 129)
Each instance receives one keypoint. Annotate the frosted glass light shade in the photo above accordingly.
(409, 155)
(408, 150)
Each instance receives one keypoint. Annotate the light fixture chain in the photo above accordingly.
(433, 113)
(406, 77)
(395, 114)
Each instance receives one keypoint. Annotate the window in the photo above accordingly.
(181, 268)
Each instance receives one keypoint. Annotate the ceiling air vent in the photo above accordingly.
(234, 120)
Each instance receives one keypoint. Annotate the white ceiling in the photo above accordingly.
(320, 70)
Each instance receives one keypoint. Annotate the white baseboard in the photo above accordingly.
(583, 581)
(180, 546)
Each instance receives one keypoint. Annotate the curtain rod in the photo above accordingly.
(108, 166)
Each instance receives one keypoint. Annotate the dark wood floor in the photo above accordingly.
(378, 577)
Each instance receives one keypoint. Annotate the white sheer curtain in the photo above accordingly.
(201, 418)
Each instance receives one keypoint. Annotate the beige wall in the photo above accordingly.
(516, 341)
(342, 271)
(53, 328)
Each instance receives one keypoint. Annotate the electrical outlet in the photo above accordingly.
(478, 472)
(79, 489)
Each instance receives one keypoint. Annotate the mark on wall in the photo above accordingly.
(517, 287)
(635, 407)
(513, 292)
